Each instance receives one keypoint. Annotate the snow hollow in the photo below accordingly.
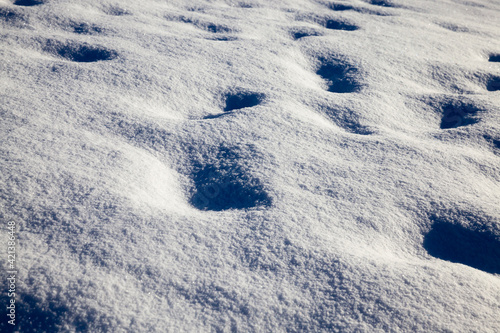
(250, 166)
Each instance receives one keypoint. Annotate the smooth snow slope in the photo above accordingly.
(252, 166)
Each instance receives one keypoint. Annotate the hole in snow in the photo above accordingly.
(382, 3)
(340, 25)
(222, 181)
(79, 52)
(297, 34)
(339, 76)
(494, 58)
(225, 185)
(457, 113)
(494, 84)
(455, 243)
(242, 100)
(28, 3)
(340, 7)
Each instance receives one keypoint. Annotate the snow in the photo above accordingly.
(252, 166)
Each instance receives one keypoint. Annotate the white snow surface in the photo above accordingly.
(251, 166)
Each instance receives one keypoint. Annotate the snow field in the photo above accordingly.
(256, 166)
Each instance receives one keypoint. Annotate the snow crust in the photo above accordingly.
(252, 166)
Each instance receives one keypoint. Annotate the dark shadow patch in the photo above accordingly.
(340, 7)
(241, 100)
(381, 3)
(356, 128)
(224, 184)
(223, 38)
(301, 33)
(495, 143)
(493, 84)
(28, 3)
(339, 76)
(362, 10)
(54, 313)
(79, 52)
(34, 315)
(298, 35)
(457, 113)
(214, 28)
(86, 29)
(454, 111)
(12, 17)
(494, 58)
(340, 25)
(226, 187)
(458, 244)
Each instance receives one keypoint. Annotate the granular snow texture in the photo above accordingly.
(251, 166)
